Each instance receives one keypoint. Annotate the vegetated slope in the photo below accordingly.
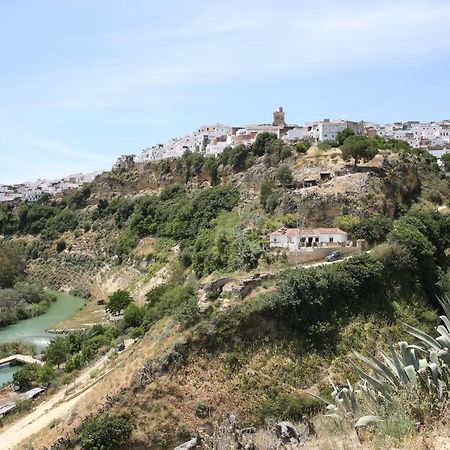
(255, 357)
(102, 238)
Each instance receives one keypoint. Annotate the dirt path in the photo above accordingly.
(59, 405)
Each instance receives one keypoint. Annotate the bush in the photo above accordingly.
(203, 409)
(170, 299)
(133, 315)
(106, 432)
(288, 406)
(284, 175)
(302, 146)
(186, 258)
(311, 300)
(434, 197)
(61, 245)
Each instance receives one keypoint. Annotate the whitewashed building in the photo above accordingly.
(295, 238)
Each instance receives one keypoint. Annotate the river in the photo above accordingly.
(33, 330)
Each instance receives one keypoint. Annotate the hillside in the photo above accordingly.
(224, 324)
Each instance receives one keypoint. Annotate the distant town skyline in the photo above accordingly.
(86, 81)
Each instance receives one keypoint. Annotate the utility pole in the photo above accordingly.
(240, 233)
(299, 242)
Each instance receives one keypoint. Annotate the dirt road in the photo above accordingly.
(59, 405)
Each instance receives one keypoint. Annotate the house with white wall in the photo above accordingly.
(297, 238)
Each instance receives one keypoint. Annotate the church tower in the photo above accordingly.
(278, 118)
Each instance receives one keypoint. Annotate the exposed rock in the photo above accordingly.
(61, 443)
(214, 288)
(286, 431)
(193, 443)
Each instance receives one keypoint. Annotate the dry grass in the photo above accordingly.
(89, 315)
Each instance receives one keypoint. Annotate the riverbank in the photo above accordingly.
(23, 302)
(34, 331)
(90, 314)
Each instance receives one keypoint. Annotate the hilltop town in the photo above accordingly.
(214, 139)
(32, 190)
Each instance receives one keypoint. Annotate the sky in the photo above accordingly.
(84, 81)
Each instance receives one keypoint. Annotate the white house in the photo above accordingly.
(295, 238)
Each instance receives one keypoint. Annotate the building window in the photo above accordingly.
(331, 239)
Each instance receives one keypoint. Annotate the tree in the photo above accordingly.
(267, 188)
(346, 222)
(261, 141)
(46, 374)
(12, 263)
(446, 160)
(26, 376)
(409, 233)
(133, 315)
(373, 229)
(118, 301)
(358, 148)
(284, 175)
(106, 432)
(57, 351)
(343, 135)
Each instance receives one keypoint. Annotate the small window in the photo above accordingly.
(331, 239)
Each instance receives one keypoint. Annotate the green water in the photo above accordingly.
(33, 330)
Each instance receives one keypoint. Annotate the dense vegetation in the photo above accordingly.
(106, 432)
(74, 351)
(23, 301)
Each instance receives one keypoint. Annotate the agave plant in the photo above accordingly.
(424, 367)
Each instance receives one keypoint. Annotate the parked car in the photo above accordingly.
(120, 346)
(334, 256)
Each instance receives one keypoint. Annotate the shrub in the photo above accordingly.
(106, 432)
(302, 146)
(284, 175)
(288, 406)
(61, 245)
(433, 196)
(186, 258)
(203, 409)
(133, 315)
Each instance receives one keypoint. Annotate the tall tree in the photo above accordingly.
(359, 148)
(118, 301)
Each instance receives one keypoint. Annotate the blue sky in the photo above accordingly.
(83, 81)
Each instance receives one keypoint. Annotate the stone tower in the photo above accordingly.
(278, 118)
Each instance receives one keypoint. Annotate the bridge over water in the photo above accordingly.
(19, 359)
